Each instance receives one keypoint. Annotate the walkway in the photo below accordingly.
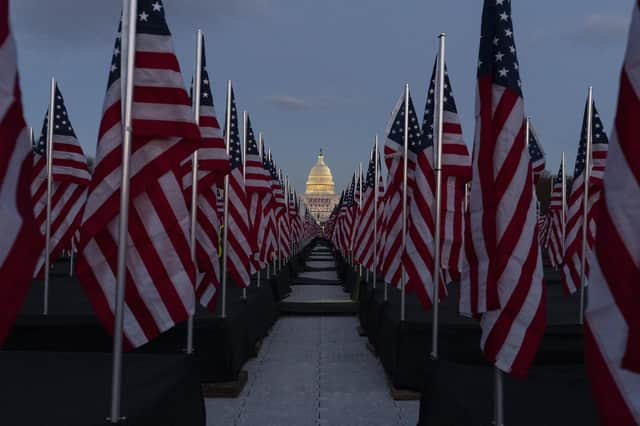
(313, 371)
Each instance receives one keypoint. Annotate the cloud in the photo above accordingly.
(600, 30)
(290, 103)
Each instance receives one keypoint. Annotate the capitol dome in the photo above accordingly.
(320, 179)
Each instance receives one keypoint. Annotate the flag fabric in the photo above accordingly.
(536, 153)
(456, 172)
(392, 263)
(575, 203)
(612, 327)
(364, 242)
(554, 218)
(213, 164)
(21, 241)
(418, 257)
(258, 186)
(69, 186)
(267, 233)
(503, 280)
(279, 208)
(240, 240)
(284, 228)
(382, 196)
(160, 276)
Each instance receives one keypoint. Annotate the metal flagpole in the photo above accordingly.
(405, 160)
(244, 179)
(129, 20)
(49, 159)
(375, 211)
(260, 156)
(466, 196)
(440, 79)
(498, 396)
(564, 202)
(225, 234)
(194, 179)
(585, 201)
(360, 210)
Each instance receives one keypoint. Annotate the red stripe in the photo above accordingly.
(161, 95)
(612, 407)
(156, 60)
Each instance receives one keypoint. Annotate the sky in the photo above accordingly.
(326, 74)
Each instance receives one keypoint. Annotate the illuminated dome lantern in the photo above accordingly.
(320, 196)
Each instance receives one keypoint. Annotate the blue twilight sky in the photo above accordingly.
(326, 74)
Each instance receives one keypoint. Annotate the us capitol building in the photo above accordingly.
(320, 196)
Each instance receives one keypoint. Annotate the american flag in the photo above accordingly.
(394, 158)
(241, 243)
(380, 243)
(267, 234)
(354, 213)
(69, 185)
(536, 154)
(504, 279)
(294, 219)
(456, 172)
(575, 203)
(554, 219)
(612, 330)
(213, 164)
(364, 242)
(160, 278)
(284, 228)
(258, 185)
(345, 218)
(279, 209)
(21, 241)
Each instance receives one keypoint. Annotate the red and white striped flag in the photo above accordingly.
(456, 172)
(267, 234)
(503, 280)
(554, 218)
(69, 185)
(392, 263)
(364, 242)
(612, 329)
(241, 242)
(21, 241)
(258, 186)
(213, 164)
(575, 203)
(160, 278)
(536, 154)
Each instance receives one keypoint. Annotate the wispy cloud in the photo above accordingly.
(290, 103)
(600, 30)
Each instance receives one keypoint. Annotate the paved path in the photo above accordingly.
(313, 371)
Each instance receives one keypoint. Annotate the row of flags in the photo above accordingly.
(489, 223)
(239, 193)
(493, 233)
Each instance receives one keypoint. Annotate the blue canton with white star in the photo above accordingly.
(497, 47)
(235, 151)
(535, 152)
(396, 132)
(252, 145)
(599, 137)
(449, 104)
(61, 124)
(206, 95)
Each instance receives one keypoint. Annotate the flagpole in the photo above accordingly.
(440, 79)
(259, 248)
(404, 201)
(225, 234)
(129, 21)
(498, 398)
(194, 180)
(244, 182)
(585, 201)
(375, 211)
(564, 203)
(360, 212)
(49, 159)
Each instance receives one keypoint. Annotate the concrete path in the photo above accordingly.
(313, 371)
